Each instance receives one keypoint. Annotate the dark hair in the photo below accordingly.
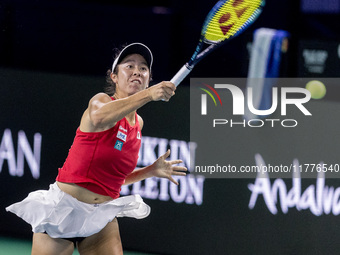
(110, 89)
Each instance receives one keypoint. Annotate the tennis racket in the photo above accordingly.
(226, 20)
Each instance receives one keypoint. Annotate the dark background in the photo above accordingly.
(79, 36)
(53, 58)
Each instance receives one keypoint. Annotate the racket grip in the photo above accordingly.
(180, 75)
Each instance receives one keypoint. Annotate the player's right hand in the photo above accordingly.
(162, 91)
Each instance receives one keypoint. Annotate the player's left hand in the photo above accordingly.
(165, 169)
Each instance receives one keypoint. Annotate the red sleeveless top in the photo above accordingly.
(100, 161)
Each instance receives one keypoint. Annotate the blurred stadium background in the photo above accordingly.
(54, 56)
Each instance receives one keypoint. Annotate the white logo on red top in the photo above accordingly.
(138, 135)
(123, 129)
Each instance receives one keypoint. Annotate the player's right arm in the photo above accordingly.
(103, 112)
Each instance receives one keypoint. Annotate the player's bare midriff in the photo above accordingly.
(83, 194)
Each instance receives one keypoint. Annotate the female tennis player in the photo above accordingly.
(82, 206)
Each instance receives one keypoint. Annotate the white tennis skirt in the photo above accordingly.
(62, 216)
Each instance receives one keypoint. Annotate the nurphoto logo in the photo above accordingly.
(245, 103)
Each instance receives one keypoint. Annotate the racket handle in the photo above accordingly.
(180, 75)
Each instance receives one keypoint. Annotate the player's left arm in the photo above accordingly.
(160, 168)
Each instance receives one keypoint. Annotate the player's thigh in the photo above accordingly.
(43, 244)
(106, 242)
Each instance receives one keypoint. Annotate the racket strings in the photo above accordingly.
(228, 18)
